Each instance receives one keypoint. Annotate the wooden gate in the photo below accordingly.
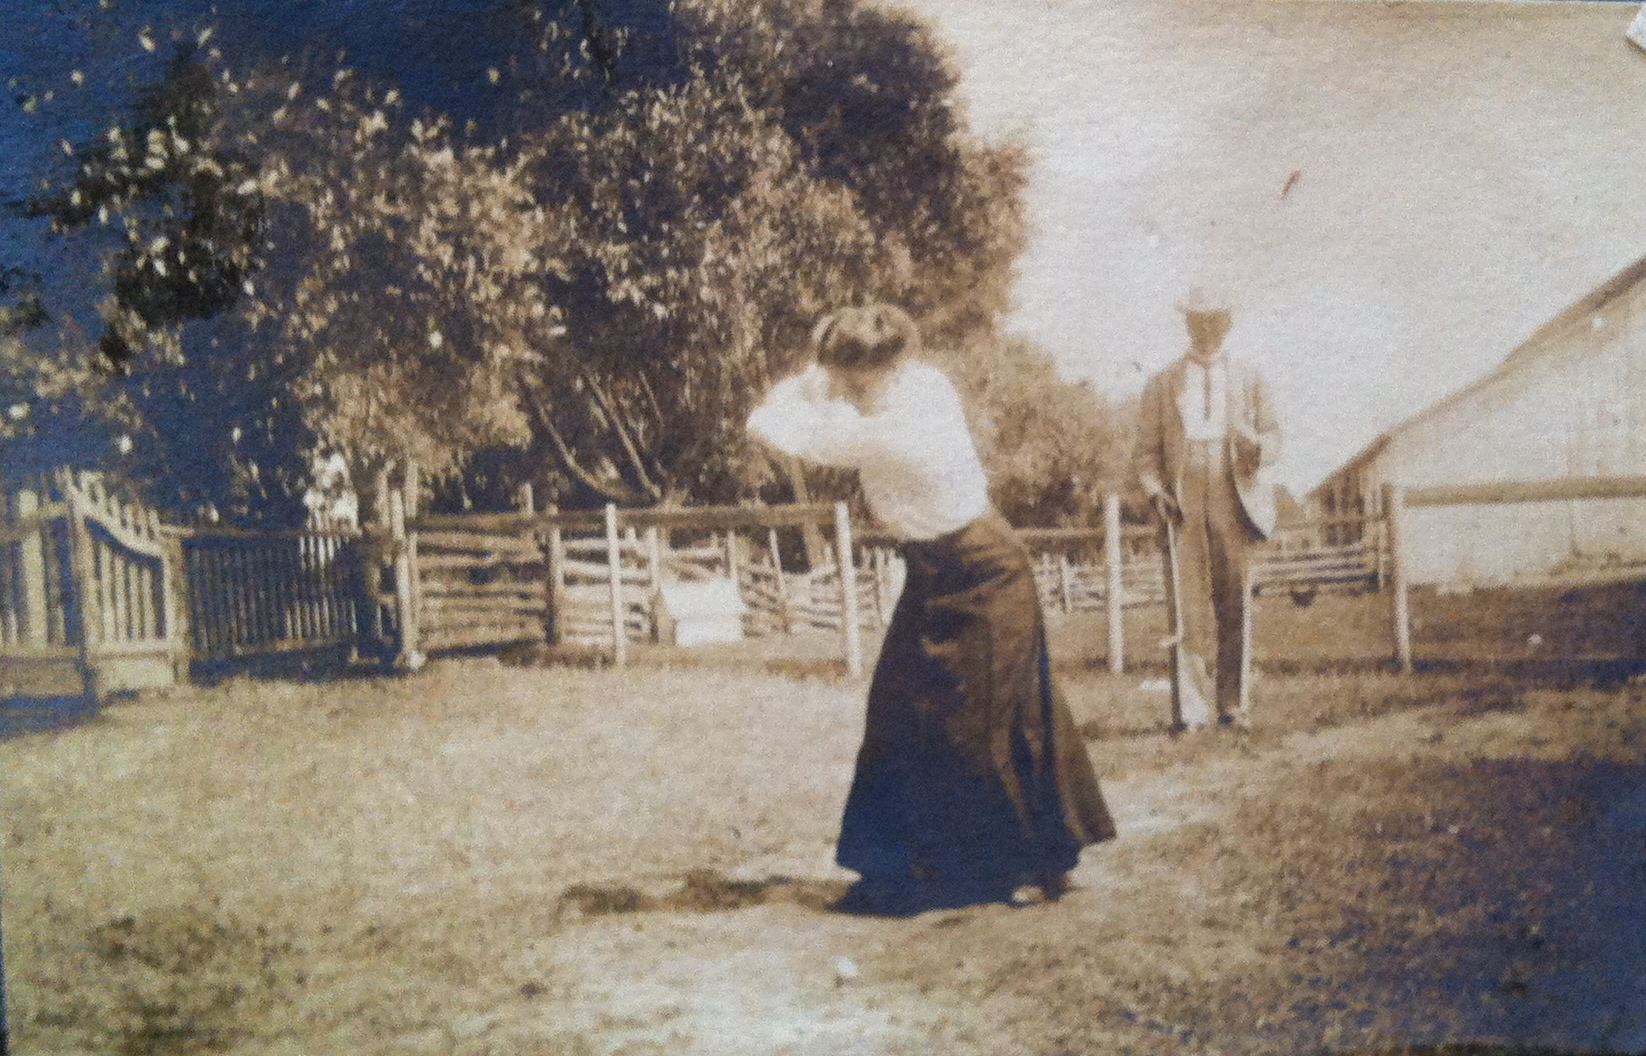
(269, 593)
(86, 604)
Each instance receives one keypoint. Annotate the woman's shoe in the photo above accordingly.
(879, 898)
(1054, 885)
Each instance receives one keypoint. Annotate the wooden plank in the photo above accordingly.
(443, 607)
(436, 588)
(852, 630)
(83, 568)
(477, 543)
(54, 673)
(602, 571)
(1394, 512)
(324, 557)
(1115, 585)
(245, 583)
(258, 593)
(243, 651)
(405, 575)
(107, 650)
(474, 638)
(223, 534)
(1059, 538)
(1556, 489)
(303, 588)
(290, 572)
(216, 560)
(148, 597)
(198, 625)
(614, 570)
(461, 562)
(130, 537)
(32, 570)
(240, 580)
(333, 606)
(690, 518)
(29, 520)
(24, 653)
(9, 604)
(514, 521)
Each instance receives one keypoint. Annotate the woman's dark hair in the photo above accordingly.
(873, 336)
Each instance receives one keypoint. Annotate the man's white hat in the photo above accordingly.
(1198, 301)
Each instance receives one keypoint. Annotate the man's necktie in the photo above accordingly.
(1206, 376)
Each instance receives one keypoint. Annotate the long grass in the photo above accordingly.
(486, 858)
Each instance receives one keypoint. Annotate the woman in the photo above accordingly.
(972, 782)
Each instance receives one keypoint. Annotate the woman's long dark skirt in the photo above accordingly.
(971, 767)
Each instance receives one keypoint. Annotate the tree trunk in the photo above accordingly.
(811, 534)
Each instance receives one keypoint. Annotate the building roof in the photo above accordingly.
(1536, 347)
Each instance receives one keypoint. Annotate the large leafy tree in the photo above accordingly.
(737, 170)
(598, 268)
(295, 269)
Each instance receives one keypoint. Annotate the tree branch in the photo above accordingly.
(614, 490)
(650, 393)
(637, 461)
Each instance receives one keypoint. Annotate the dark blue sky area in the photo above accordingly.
(437, 52)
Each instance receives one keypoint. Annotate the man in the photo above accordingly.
(1206, 433)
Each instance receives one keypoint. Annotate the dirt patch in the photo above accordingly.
(700, 891)
(541, 654)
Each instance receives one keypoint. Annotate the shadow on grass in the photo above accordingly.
(1472, 1049)
(21, 717)
(1553, 673)
(1478, 1050)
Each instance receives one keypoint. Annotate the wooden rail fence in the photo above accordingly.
(1398, 500)
(96, 595)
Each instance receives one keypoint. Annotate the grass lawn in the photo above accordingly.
(490, 859)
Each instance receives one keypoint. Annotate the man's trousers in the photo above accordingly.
(1214, 562)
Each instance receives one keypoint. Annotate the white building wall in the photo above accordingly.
(1578, 412)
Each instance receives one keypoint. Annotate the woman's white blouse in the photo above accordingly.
(914, 456)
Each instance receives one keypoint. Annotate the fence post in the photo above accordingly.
(1065, 582)
(405, 577)
(733, 571)
(783, 615)
(83, 576)
(848, 589)
(1394, 513)
(614, 575)
(1114, 553)
(878, 561)
(1379, 552)
(654, 556)
(523, 499)
(32, 573)
(555, 585)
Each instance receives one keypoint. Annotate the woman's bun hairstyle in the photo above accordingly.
(873, 336)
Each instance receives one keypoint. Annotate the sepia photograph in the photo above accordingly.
(823, 528)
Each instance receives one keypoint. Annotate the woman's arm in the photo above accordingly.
(799, 417)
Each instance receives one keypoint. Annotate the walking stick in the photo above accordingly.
(1181, 663)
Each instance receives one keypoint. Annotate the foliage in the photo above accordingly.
(601, 276)
(790, 157)
(1054, 448)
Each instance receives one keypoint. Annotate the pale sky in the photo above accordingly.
(1465, 171)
